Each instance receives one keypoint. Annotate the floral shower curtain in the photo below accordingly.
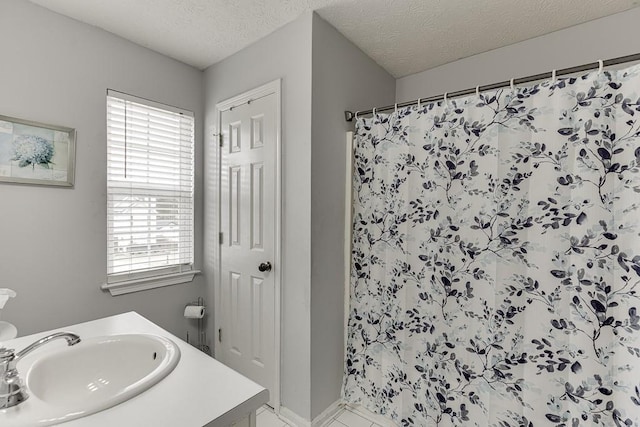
(496, 258)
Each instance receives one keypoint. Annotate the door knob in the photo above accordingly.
(265, 266)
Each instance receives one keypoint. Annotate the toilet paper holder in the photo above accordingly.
(197, 310)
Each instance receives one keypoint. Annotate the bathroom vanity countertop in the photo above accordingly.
(199, 392)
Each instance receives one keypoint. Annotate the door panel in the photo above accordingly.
(248, 217)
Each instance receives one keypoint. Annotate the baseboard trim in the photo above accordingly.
(327, 415)
(365, 413)
(291, 418)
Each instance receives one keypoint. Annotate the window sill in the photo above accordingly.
(143, 284)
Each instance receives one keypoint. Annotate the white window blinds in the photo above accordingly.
(149, 188)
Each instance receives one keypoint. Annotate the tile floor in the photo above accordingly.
(345, 418)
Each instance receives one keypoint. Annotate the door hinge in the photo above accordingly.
(220, 239)
(221, 139)
(220, 335)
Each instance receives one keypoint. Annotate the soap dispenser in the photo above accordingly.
(7, 330)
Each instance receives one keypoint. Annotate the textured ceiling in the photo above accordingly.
(403, 36)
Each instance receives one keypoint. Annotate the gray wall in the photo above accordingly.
(343, 78)
(285, 54)
(53, 240)
(322, 75)
(604, 38)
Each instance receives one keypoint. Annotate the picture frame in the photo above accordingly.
(36, 153)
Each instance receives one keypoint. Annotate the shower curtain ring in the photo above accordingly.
(478, 90)
(446, 94)
(512, 85)
(553, 76)
(396, 107)
(418, 103)
(374, 111)
(600, 65)
(356, 115)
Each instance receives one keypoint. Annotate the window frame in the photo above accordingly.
(139, 280)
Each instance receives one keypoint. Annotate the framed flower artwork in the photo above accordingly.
(36, 153)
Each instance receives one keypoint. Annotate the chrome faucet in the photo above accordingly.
(11, 391)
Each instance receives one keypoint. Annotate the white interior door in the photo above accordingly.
(247, 295)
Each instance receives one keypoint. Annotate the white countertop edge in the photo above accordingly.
(200, 391)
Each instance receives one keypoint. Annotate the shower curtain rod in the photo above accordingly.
(349, 115)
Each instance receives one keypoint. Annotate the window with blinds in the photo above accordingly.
(150, 169)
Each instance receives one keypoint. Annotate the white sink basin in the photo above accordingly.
(96, 374)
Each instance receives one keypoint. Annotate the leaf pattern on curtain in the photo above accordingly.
(496, 258)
